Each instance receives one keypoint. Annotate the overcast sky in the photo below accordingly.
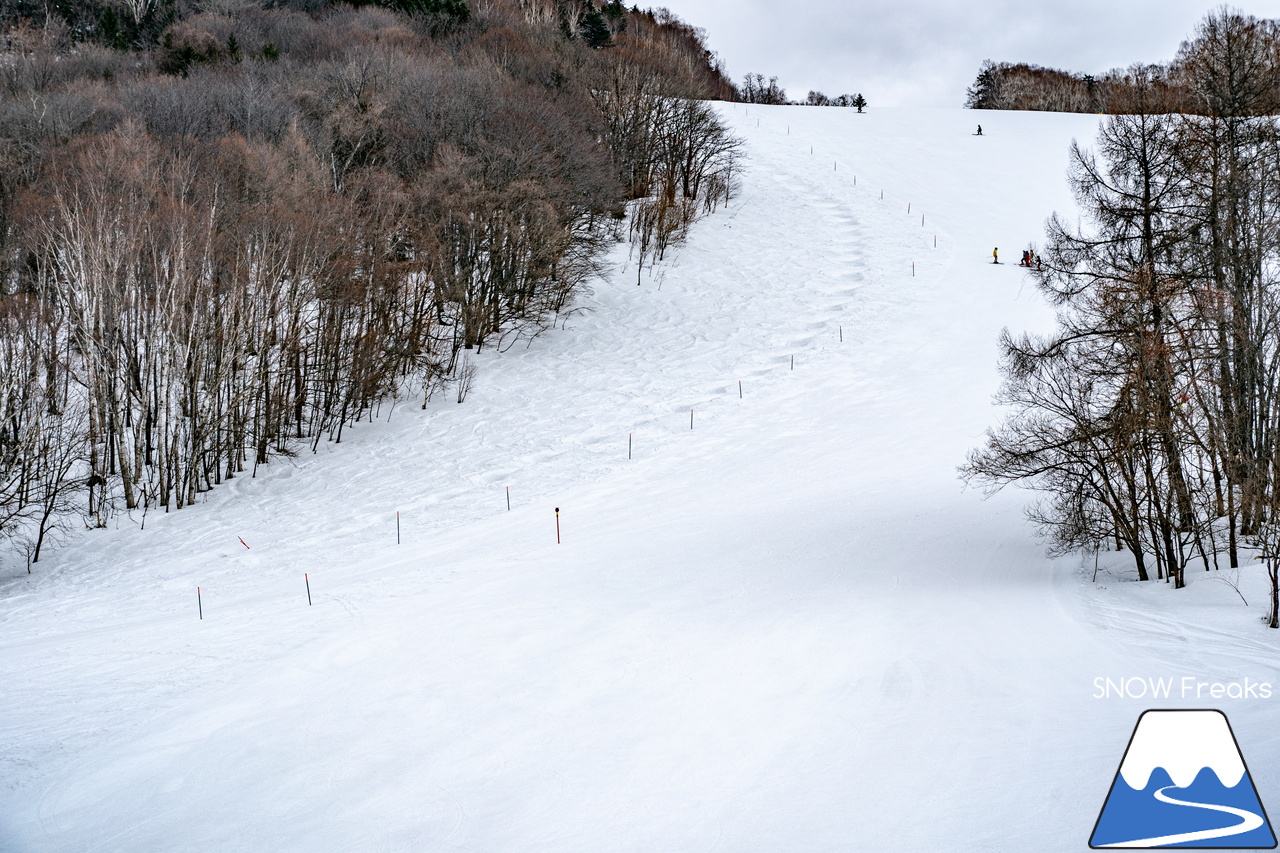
(926, 52)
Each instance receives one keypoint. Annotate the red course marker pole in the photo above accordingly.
(557, 525)
(244, 543)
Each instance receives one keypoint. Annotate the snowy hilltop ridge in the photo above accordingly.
(1183, 743)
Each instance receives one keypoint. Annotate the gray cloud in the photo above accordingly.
(918, 53)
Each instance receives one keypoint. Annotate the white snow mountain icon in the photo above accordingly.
(1183, 783)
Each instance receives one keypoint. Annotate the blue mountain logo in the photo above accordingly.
(1183, 783)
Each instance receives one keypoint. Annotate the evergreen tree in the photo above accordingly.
(595, 32)
(984, 94)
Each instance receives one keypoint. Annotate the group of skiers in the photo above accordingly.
(1029, 259)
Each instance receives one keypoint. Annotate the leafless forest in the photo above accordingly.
(1021, 86)
(231, 230)
(1151, 419)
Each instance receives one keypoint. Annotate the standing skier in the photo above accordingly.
(979, 130)
(995, 255)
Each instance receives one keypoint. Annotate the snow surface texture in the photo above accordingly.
(787, 629)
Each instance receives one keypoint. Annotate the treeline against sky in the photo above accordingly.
(231, 230)
(1151, 417)
(755, 89)
(1167, 88)
(1019, 86)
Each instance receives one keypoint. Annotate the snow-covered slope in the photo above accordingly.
(789, 628)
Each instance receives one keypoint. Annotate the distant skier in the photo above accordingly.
(995, 255)
(979, 133)
(1026, 259)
